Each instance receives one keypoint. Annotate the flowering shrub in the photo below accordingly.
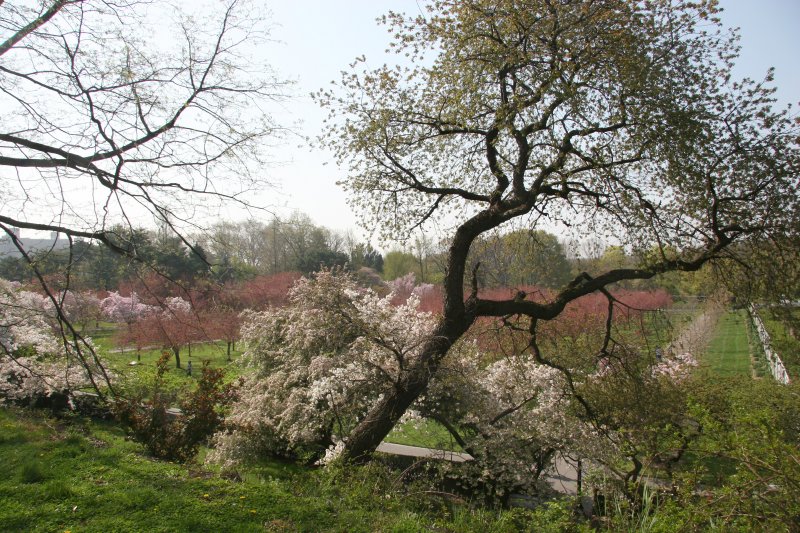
(33, 363)
(511, 415)
(28, 379)
(318, 365)
(26, 338)
(613, 402)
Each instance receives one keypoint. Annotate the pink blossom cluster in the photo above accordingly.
(126, 309)
(404, 287)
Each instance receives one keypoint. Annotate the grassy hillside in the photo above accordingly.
(79, 475)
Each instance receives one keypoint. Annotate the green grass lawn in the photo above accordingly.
(139, 365)
(102, 335)
(728, 353)
(87, 477)
(103, 338)
(83, 476)
(425, 433)
(213, 352)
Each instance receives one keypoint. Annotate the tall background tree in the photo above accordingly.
(520, 258)
(618, 117)
(101, 127)
(286, 245)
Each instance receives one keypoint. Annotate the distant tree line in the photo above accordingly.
(294, 244)
(525, 257)
(241, 251)
(232, 251)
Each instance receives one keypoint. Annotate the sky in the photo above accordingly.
(316, 39)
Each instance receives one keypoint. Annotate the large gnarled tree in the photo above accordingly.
(614, 116)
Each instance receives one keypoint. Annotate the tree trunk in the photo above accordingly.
(229, 350)
(177, 352)
(371, 431)
(380, 420)
(457, 317)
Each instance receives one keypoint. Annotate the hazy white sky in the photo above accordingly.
(318, 38)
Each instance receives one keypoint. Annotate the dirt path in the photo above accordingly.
(562, 476)
(417, 451)
(698, 334)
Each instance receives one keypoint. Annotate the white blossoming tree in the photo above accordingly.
(24, 325)
(30, 363)
(319, 364)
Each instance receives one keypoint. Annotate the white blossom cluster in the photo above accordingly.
(175, 305)
(676, 367)
(515, 415)
(33, 363)
(318, 365)
(27, 378)
(24, 321)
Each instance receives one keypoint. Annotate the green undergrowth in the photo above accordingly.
(77, 475)
(783, 341)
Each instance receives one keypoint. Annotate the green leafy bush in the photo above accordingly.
(174, 435)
